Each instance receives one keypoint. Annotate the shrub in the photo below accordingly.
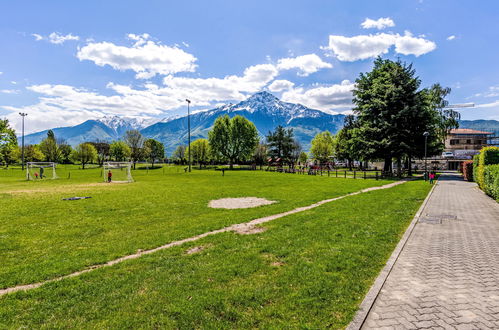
(491, 181)
(487, 156)
(467, 167)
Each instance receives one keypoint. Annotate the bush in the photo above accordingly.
(487, 156)
(467, 167)
(491, 181)
(476, 160)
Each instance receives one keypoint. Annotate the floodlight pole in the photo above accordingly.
(425, 134)
(189, 129)
(22, 114)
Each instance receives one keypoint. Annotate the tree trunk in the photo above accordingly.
(387, 168)
(399, 166)
(409, 162)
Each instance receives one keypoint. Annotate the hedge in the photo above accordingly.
(467, 167)
(476, 158)
(487, 156)
(491, 181)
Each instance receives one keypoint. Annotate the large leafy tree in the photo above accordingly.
(135, 140)
(323, 145)
(200, 152)
(154, 150)
(65, 151)
(233, 139)
(119, 151)
(84, 153)
(9, 152)
(393, 113)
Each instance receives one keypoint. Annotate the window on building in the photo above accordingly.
(468, 141)
(454, 141)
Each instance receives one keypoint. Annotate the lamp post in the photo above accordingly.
(22, 114)
(425, 134)
(189, 129)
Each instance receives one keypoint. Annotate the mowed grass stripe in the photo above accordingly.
(308, 270)
(42, 237)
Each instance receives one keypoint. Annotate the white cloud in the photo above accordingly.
(409, 45)
(147, 58)
(488, 105)
(379, 24)
(56, 37)
(280, 85)
(452, 37)
(62, 105)
(327, 98)
(9, 91)
(362, 47)
(306, 64)
(37, 36)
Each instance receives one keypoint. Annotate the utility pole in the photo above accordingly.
(189, 129)
(22, 114)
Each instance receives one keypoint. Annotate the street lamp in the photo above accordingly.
(189, 129)
(22, 114)
(425, 134)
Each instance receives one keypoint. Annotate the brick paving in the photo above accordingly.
(447, 275)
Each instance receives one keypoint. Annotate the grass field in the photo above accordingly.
(309, 269)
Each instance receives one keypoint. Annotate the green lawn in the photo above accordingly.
(42, 237)
(308, 270)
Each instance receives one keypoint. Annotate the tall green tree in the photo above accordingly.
(179, 155)
(260, 154)
(50, 147)
(281, 144)
(347, 147)
(65, 151)
(323, 145)
(135, 140)
(8, 143)
(103, 151)
(200, 152)
(32, 153)
(233, 139)
(119, 151)
(84, 153)
(154, 150)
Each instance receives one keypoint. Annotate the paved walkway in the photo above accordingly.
(447, 275)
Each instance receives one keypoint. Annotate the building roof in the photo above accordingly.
(467, 131)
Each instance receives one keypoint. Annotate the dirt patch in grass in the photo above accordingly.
(246, 229)
(196, 249)
(62, 188)
(239, 203)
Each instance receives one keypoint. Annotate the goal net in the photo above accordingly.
(40, 170)
(117, 172)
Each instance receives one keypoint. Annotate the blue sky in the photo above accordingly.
(67, 61)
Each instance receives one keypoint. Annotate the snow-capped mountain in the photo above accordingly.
(122, 124)
(264, 109)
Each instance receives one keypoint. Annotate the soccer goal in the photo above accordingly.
(40, 170)
(117, 172)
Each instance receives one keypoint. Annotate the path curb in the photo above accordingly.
(368, 302)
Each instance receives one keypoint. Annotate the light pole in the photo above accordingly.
(425, 134)
(189, 129)
(22, 114)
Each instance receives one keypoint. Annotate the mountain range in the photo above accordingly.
(264, 109)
